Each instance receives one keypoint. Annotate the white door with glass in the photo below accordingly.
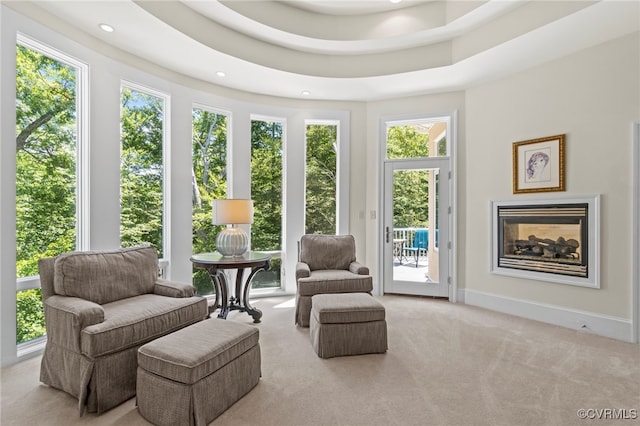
(416, 215)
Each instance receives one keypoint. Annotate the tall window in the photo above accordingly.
(321, 179)
(48, 160)
(208, 182)
(266, 192)
(142, 168)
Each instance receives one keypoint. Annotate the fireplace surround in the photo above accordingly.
(549, 240)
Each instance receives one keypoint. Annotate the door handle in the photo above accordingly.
(387, 234)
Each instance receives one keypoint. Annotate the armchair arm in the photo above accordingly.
(67, 316)
(358, 268)
(172, 288)
(302, 270)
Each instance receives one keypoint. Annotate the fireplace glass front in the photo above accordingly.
(549, 238)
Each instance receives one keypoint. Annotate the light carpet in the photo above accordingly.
(447, 364)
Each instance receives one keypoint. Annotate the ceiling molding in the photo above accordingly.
(471, 45)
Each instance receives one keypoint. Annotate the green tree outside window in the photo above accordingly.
(266, 192)
(45, 174)
(410, 187)
(321, 179)
(209, 182)
(141, 169)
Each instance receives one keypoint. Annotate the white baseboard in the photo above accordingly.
(603, 325)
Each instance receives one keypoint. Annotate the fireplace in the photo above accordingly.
(547, 240)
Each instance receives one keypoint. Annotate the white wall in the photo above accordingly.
(592, 97)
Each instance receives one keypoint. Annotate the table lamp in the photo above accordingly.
(232, 241)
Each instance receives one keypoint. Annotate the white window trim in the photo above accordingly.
(82, 169)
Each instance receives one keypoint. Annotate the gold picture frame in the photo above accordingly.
(539, 165)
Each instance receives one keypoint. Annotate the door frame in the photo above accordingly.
(411, 287)
(451, 118)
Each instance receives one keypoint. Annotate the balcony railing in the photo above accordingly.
(406, 234)
(409, 234)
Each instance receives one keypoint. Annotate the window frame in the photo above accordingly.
(82, 165)
(166, 166)
(337, 124)
(275, 254)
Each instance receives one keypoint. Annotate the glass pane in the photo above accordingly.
(45, 159)
(266, 190)
(416, 140)
(209, 182)
(321, 179)
(414, 219)
(141, 169)
(29, 315)
(270, 278)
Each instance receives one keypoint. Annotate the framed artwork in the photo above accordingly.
(538, 165)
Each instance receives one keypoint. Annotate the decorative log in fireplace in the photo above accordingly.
(552, 249)
(548, 238)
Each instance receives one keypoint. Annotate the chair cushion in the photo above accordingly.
(334, 281)
(195, 352)
(139, 319)
(106, 276)
(327, 251)
(346, 308)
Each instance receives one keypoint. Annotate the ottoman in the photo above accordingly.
(192, 376)
(347, 324)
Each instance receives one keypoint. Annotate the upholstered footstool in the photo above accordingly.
(193, 375)
(347, 324)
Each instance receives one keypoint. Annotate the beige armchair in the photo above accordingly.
(100, 307)
(327, 264)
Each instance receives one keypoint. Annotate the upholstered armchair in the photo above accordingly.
(100, 307)
(327, 264)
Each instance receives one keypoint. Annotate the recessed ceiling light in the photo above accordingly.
(106, 28)
(306, 93)
(395, 1)
(220, 74)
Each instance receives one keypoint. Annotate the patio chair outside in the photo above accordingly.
(420, 244)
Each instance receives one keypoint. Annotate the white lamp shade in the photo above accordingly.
(232, 211)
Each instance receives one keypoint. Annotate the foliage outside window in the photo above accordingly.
(410, 187)
(141, 169)
(266, 192)
(405, 141)
(29, 315)
(209, 182)
(321, 179)
(46, 139)
(45, 159)
(412, 141)
(410, 203)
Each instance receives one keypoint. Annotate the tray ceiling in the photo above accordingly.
(345, 50)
